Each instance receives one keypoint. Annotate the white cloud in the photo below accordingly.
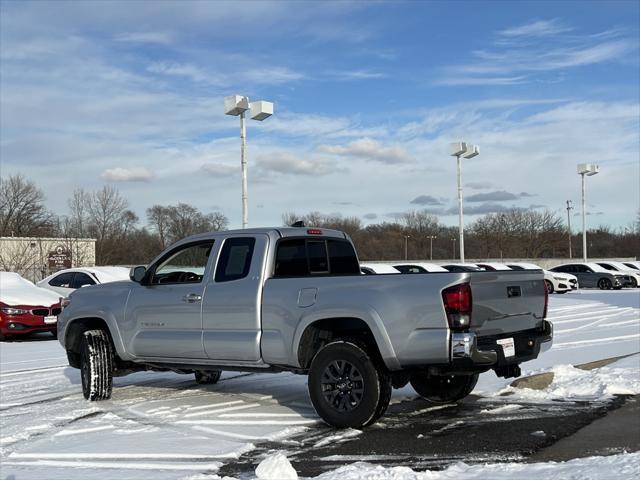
(469, 81)
(290, 164)
(159, 38)
(537, 28)
(368, 149)
(119, 174)
(523, 53)
(181, 70)
(220, 170)
(357, 75)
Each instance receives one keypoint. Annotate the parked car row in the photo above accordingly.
(559, 279)
(27, 308)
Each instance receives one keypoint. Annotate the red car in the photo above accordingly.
(25, 308)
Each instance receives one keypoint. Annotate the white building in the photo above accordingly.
(34, 257)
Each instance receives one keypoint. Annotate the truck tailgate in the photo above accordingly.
(505, 302)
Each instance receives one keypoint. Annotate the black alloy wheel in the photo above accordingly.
(549, 286)
(348, 386)
(342, 386)
(605, 284)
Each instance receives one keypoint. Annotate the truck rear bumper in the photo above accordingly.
(468, 349)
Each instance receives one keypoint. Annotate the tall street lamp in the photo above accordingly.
(236, 105)
(569, 208)
(431, 237)
(462, 149)
(406, 246)
(588, 169)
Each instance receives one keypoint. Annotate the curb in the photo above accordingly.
(541, 381)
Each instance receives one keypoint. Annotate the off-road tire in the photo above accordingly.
(207, 378)
(634, 283)
(605, 284)
(348, 364)
(96, 365)
(443, 389)
(549, 286)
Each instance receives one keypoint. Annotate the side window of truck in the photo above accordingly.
(300, 258)
(343, 258)
(235, 259)
(186, 264)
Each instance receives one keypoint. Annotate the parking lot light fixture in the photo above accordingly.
(585, 169)
(458, 150)
(431, 237)
(237, 105)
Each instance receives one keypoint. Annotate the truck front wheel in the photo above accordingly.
(346, 387)
(96, 365)
(443, 389)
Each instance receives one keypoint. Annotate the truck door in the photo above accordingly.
(165, 313)
(231, 305)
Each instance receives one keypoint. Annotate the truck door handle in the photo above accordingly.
(192, 298)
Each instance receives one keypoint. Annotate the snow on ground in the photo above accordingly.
(613, 467)
(166, 426)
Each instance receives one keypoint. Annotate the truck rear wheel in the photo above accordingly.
(208, 377)
(96, 365)
(346, 387)
(443, 389)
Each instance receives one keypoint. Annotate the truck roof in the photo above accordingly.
(280, 231)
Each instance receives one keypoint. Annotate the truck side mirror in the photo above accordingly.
(137, 273)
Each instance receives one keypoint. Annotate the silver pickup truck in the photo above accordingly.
(293, 299)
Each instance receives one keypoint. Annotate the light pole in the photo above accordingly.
(431, 237)
(588, 169)
(406, 246)
(236, 105)
(462, 149)
(454, 248)
(569, 208)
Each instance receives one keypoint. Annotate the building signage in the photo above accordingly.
(59, 258)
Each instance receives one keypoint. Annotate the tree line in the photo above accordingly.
(122, 238)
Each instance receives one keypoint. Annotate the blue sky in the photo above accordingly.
(367, 97)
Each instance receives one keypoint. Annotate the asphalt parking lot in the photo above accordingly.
(477, 430)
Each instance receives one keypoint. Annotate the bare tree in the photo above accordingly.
(174, 222)
(22, 209)
(78, 218)
(158, 219)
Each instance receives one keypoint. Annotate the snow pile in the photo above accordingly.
(570, 383)
(276, 467)
(342, 436)
(612, 467)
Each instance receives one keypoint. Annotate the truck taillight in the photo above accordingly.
(546, 300)
(457, 304)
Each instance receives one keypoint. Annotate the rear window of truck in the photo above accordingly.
(302, 257)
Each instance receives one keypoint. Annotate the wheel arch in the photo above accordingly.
(74, 333)
(317, 332)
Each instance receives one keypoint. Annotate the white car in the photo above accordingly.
(418, 267)
(492, 266)
(622, 268)
(633, 266)
(377, 268)
(66, 281)
(555, 281)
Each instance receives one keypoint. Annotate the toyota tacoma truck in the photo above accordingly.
(294, 299)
